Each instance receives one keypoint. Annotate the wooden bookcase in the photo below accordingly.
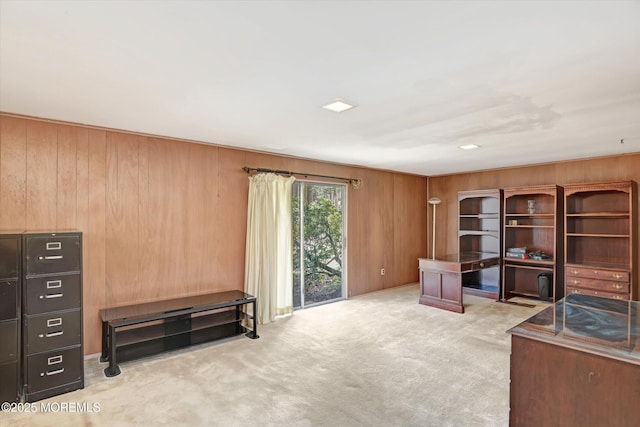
(600, 239)
(533, 246)
(479, 237)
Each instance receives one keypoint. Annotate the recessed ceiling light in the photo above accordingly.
(339, 105)
(469, 146)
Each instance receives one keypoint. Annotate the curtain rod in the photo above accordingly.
(353, 181)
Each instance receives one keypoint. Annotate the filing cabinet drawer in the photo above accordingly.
(9, 382)
(596, 273)
(9, 257)
(9, 308)
(52, 293)
(53, 330)
(9, 348)
(54, 368)
(54, 253)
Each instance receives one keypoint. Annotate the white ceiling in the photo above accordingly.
(528, 82)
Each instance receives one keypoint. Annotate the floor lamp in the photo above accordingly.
(434, 201)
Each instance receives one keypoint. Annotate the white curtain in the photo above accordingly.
(269, 253)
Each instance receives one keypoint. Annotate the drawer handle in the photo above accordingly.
(53, 284)
(54, 322)
(575, 271)
(54, 360)
(617, 276)
(51, 296)
(617, 297)
(50, 257)
(617, 286)
(54, 334)
(481, 264)
(575, 291)
(56, 372)
(595, 271)
(575, 282)
(54, 246)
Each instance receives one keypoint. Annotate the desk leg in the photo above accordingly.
(254, 334)
(113, 369)
(105, 342)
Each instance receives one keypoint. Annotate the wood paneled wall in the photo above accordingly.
(164, 218)
(615, 168)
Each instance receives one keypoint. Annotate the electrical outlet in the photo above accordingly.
(382, 271)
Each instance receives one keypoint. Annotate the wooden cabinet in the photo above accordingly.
(479, 238)
(9, 317)
(532, 254)
(600, 239)
(558, 386)
(577, 363)
(52, 353)
(441, 284)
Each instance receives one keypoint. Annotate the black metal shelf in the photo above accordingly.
(135, 331)
(178, 326)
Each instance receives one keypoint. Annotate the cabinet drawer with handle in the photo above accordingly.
(53, 330)
(586, 291)
(52, 293)
(598, 285)
(54, 253)
(54, 368)
(595, 273)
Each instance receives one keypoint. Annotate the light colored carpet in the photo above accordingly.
(380, 359)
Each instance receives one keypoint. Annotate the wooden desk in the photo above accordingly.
(577, 363)
(442, 280)
(154, 327)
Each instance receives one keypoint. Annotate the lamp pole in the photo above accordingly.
(434, 201)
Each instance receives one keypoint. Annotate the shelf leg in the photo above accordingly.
(105, 343)
(254, 334)
(113, 369)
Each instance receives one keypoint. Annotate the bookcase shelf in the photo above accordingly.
(532, 228)
(600, 239)
(480, 231)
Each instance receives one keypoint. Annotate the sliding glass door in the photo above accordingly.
(318, 243)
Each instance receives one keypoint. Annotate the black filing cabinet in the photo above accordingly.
(52, 314)
(9, 317)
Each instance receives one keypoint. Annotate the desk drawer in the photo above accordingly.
(54, 253)
(54, 368)
(53, 330)
(52, 293)
(479, 265)
(586, 291)
(596, 273)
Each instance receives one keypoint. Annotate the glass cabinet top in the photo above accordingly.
(603, 326)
